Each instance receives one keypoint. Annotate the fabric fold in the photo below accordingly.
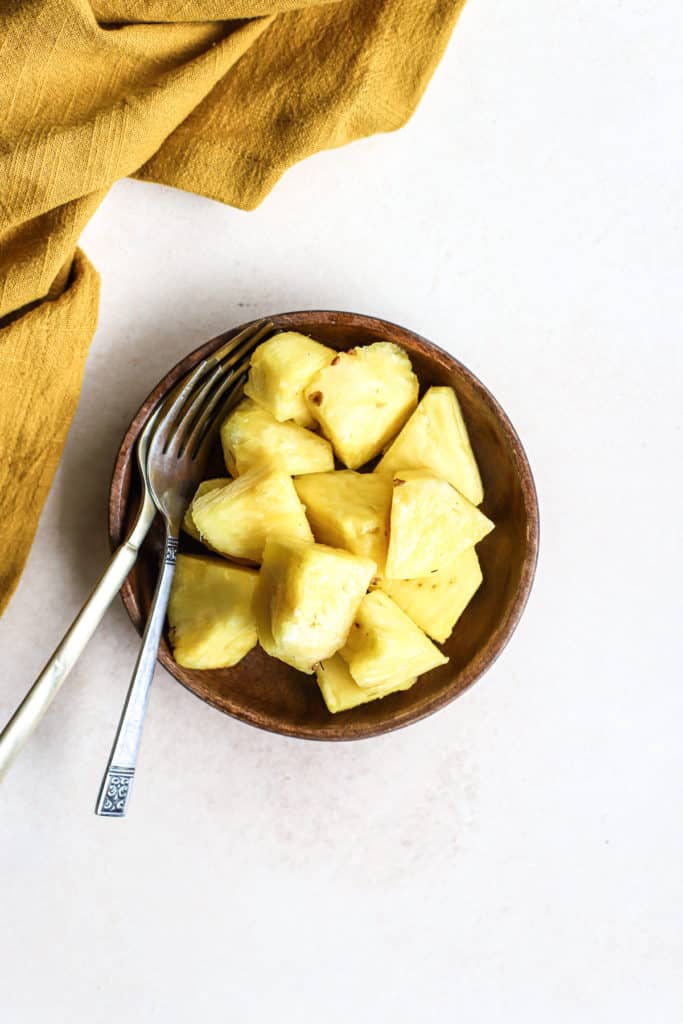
(42, 355)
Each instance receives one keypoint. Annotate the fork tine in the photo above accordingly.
(242, 352)
(205, 426)
(230, 360)
(183, 408)
(171, 410)
(253, 333)
(183, 403)
(176, 436)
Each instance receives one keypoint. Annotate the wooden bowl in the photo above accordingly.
(270, 694)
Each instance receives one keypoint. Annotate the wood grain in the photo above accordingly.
(269, 694)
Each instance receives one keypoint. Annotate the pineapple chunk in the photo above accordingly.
(280, 370)
(431, 523)
(385, 647)
(436, 602)
(362, 399)
(252, 437)
(340, 691)
(349, 510)
(306, 598)
(236, 519)
(435, 437)
(209, 612)
(205, 487)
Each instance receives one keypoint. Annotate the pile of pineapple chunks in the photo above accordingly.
(361, 569)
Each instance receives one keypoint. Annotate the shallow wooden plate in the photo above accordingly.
(269, 694)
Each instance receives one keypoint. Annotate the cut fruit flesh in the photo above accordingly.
(236, 519)
(349, 510)
(431, 523)
(212, 624)
(280, 370)
(435, 438)
(341, 692)
(251, 437)
(362, 399)
(306, 598)
(385, 646)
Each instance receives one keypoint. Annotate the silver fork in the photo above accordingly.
(176, 461)
(48, 684)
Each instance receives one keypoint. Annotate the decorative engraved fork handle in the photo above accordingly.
(118, 778)
(47, 685)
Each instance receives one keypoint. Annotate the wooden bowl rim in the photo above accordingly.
(483, 659)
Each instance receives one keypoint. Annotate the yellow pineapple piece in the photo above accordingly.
(252, 437)
(340, 691)
(280, 370)
(385, 647)
(349, 510)
(362, 399)
(306, 598)
(205, 487)
(210, 612)
(431, 523)
(436, 602)
(236, 519)
(435, 437)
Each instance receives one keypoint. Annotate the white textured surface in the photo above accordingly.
(518, 856)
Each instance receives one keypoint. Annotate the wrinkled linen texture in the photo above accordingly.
(211, 96)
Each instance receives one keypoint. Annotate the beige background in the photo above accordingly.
(518, 856)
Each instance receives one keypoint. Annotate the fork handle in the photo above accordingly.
(46, 687)
(118, 778)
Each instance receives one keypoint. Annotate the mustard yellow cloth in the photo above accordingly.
(217, 97)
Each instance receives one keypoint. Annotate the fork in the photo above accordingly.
(176, 459)
(48, 684)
